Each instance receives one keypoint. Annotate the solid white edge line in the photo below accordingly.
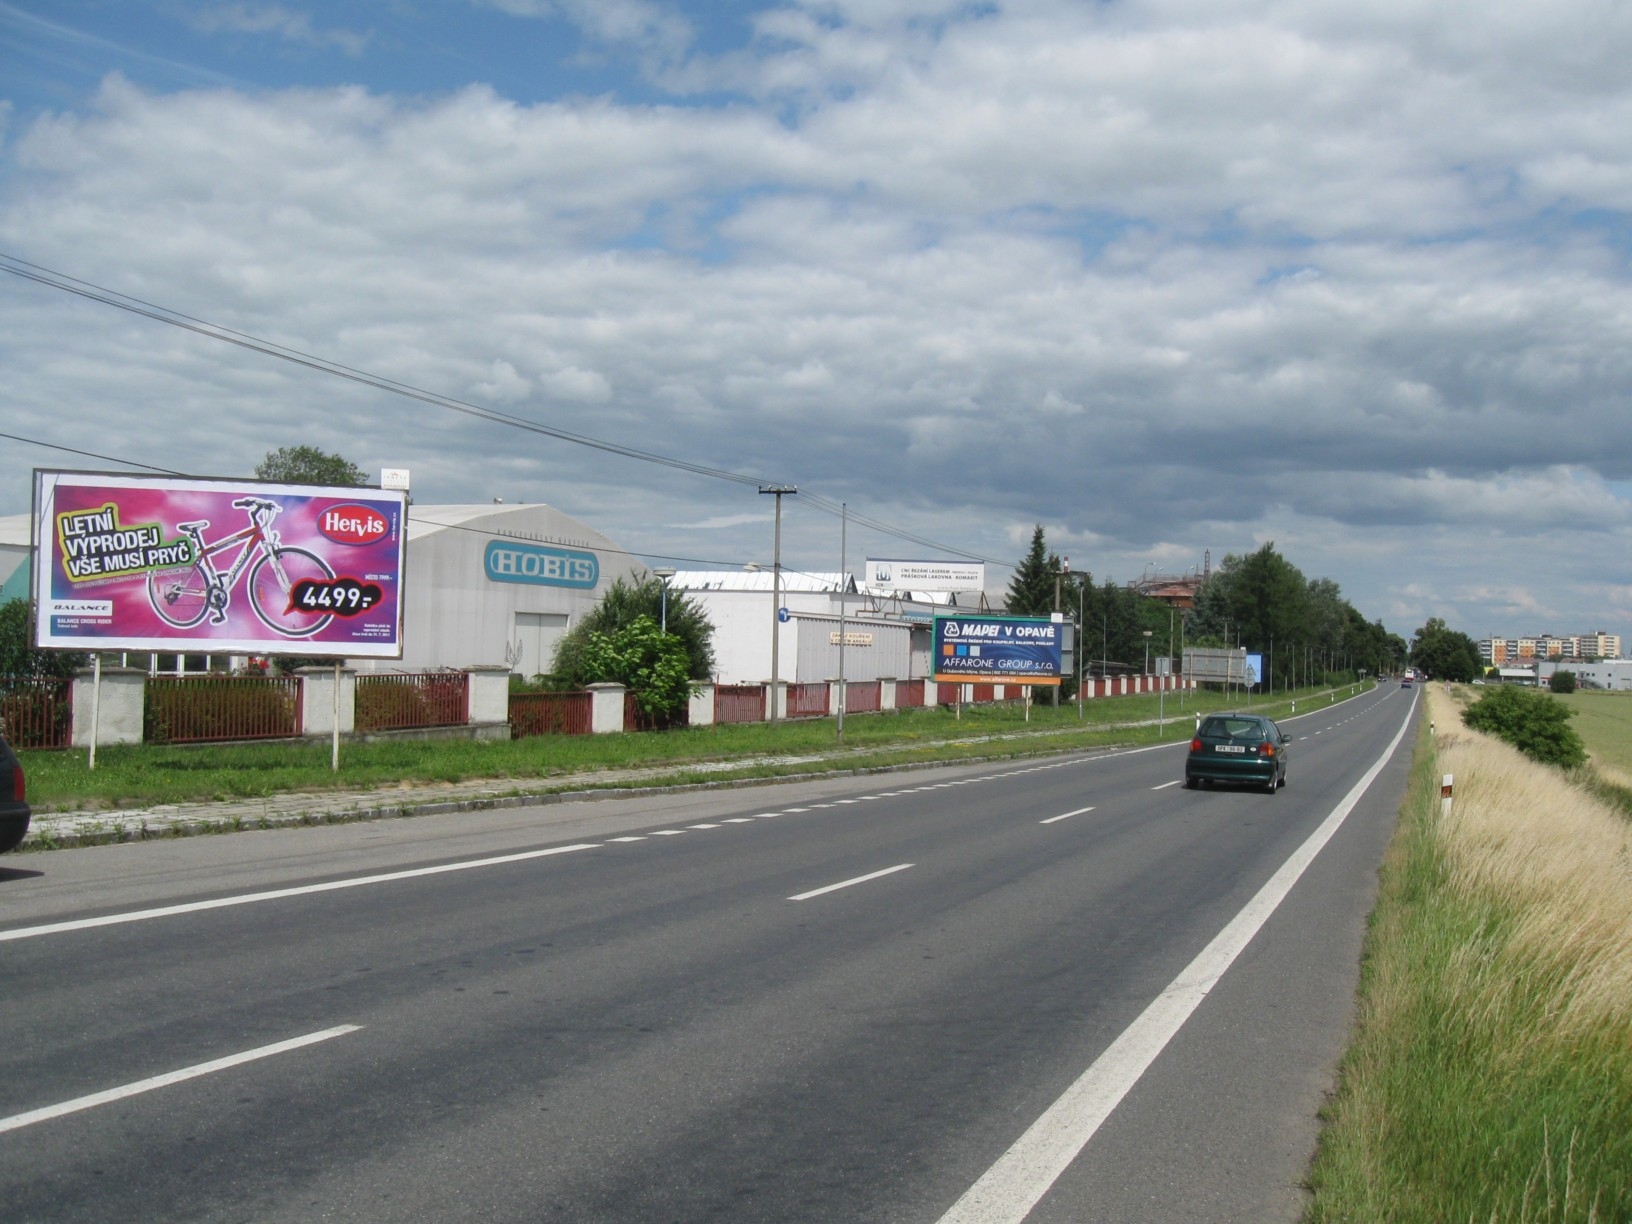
(1165, 785)
(1006, 1192)
(276, 894)
(1065, 815)
(816, 892)
(18, 1121)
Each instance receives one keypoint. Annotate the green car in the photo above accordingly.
(1244, 748)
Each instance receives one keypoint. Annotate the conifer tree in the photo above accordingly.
(1036, 580)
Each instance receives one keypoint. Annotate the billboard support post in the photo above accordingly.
(96, 704)
(334, 749)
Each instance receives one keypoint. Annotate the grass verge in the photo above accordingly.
(1490, 1078)
(129, 776)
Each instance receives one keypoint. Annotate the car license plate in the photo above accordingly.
(1229, 748)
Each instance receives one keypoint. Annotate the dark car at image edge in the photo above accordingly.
(14, 809)
(1240, 748)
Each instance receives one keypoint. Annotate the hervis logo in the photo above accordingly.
(353, 524)
(538, 566)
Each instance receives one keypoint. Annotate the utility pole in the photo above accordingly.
(776, 491)
(844, 592)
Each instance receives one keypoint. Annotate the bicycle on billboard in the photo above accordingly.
(183, 595)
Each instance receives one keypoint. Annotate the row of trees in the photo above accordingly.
(1304, 627)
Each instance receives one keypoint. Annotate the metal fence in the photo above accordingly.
(807, 700)
(951, 694)
(863, 697)
(551, 714)
(398, 702)
(37, 713)
(187, 709)
(739, 703)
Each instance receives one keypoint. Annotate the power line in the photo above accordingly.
(162, 314)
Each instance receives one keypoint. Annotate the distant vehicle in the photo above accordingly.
(1405, 680)
(1238, 747)
(14, 809)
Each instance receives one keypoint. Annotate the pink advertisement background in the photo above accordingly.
(136, 626)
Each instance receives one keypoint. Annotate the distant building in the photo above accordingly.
(886, 633)
(1612, 674)
(1543, 646)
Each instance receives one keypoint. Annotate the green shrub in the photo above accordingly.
(1532, 722)
(1562, 682)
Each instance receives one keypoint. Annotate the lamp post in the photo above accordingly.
(1147, 653)
(663, 574)
(777, 492)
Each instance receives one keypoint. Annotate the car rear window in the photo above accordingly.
(1233, 728)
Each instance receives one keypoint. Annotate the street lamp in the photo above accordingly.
(777, 492)
(1147, 652)
(663, 574)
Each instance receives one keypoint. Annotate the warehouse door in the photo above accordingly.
(533, 644)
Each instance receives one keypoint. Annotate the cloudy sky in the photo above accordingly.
(1165, 276)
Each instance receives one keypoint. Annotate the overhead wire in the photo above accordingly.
(162, 314)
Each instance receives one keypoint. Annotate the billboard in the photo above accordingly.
(998, 649)
(1211, 666)
(217, 566)
(927, 575)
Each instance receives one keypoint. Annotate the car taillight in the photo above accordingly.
(17, 783)
(1266, 749)
(1195, 744)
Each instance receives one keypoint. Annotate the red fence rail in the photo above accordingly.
(739, 703)
(187, 709)
(389, 701)
(948, 694)
(807, 700)
(551, 714)
(37, 713)
(863, 697)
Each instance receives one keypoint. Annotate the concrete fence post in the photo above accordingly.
(700, 707)
(606, 708)
(119, 721)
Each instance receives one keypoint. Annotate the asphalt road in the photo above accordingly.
(842, 1000)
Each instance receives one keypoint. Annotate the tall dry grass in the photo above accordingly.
(1490, 1077)
(1522, 836)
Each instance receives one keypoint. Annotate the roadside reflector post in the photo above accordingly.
(1445, 796)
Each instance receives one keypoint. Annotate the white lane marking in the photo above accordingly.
(1065, 815)
(277, 894)
(18, 1121)
(625, 839)
(816, 892)
(667, 832)
(1165, 785)
(704, 826)
(1006, 1193)
(738, 820)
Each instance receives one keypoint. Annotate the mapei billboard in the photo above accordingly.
(217, 566)
(998, 649)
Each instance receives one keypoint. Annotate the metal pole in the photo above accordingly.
(334, 751)
(844, 583)
(96, 706)
(776, 593)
